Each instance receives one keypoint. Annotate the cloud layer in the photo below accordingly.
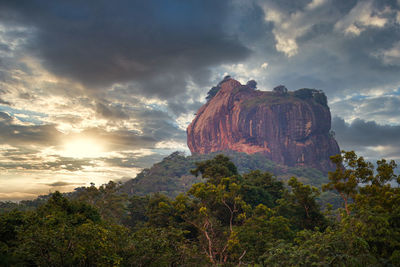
(372, 139)
(99, 43)
(124, 78)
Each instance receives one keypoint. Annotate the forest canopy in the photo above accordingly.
(227, 219)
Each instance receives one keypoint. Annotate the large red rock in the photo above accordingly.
(286, 127)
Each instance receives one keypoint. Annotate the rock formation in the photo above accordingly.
(290, 128)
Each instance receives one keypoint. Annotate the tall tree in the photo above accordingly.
(350, 171)
(300, 206)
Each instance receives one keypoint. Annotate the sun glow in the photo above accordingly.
(82, 148)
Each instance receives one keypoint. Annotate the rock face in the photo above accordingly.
(290, 128)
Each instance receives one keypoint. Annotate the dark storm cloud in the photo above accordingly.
(159, 124)
(5, 118)
(61, 183)
(4, 102)
(289, 5)
(4, 47)
(362, 133)
(37, 163)
(179, 107)
(153, 126)
(2, 91)
(109, 111)
(156, 43)
(133, 160)
(383, 109)
(125, 139)
(26, 96)
(69, 164)
(162, 129)
(23, 158)
(351, 68)
(21, 135)
(327, 57)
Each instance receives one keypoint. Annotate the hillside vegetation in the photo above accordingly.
(172, 175)
(227, 219)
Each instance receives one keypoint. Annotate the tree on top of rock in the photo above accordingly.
(280, 90)
(215, 89)
(252, 84)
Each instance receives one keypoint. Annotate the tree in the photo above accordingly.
(280, 90)
(107, 199)
(374, 214)
(215, 169)
(227, 220)
(69, 233)
(350, 171)
(215, 89)
(313, 248)
(252, 84)
(137, 209)
(162, 246)
(304, 93)
(261, 188)
(217, 209)
(160, 211)
(215, 212)
(320, 98)
(300, 206)
(9, 224)
(259, 230)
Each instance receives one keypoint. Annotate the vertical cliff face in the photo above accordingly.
(290, 128)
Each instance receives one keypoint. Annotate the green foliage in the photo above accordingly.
(9, 224)
(110, 203)
(350, 171)
(314, 248)
(317, 95)
(215, 169)
(261, 188)
(320, 98)
(215, 89)
(280, 90)
(23, 205)
(304, 93)
(374, 213)
(136, 211)
(300, 206)
(160, 211)
(257, 231)
(67, 233)
(252, 84)
(227, 219)
(163, 247)
(218, 208)
(172, 175)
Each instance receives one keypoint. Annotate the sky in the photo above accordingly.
(92, 91)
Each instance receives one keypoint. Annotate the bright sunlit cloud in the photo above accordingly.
(82, 148)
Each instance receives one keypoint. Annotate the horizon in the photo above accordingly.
(97, 91)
